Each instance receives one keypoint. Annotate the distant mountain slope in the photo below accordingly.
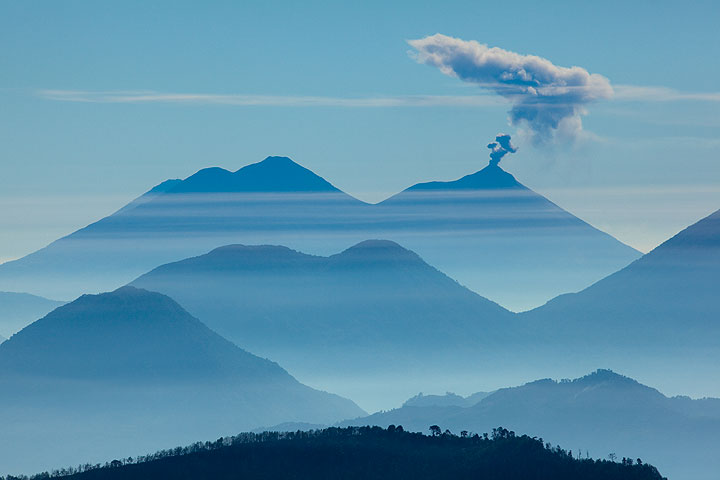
(18, 310)
(371, 310)
(667, 298)
(486, 229)
(503, 240)
(270, 201)
(370, 453)
(374, 293)
(448, 400)
(128, 371)
(601, 413)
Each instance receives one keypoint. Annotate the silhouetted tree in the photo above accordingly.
(358, 453)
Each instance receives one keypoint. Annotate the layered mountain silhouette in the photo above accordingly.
(598, 414)
(373, 309)
(669, 294)
(487, 230)
(275, 199)
(18, 310)
(448, 400)
(501, 239)
(660, 314)
(130, 371)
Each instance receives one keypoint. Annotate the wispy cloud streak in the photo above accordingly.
(622, 93)
(270, 100)
(661, 94)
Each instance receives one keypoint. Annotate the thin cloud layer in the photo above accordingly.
(240, 100)
(546, 99)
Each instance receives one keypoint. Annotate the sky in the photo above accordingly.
(100, 101)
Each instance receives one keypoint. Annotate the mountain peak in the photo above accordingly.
(240, 248)
(607, 378)
(378, 244)
(271, 175)
(281, 174)
(124, 333)
(492, 177)
(377, 251)
(604, 375)
(597, 378)
(278, 162)
(260, 256)
(206, 180)
(232, 258)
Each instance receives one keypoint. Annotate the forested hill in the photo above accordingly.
(367, 453)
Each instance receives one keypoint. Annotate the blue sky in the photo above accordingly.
(648, 166)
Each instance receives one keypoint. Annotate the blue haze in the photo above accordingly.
(66, 164)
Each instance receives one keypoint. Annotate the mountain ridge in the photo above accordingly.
(273, 174)
(146, 309)
(600, 413)
(669, 286)
(364, 311)
(18, 309)
(514, 237)
(489, 178)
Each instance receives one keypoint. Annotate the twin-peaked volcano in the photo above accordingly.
(374, 312)
(274, 174)
(486, 230)
(289, 305)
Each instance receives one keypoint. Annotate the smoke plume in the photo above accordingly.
(500, 147)
(546, 99)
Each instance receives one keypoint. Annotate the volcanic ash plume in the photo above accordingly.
(547, 100)
(500, 147)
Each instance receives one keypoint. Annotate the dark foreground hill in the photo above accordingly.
(372, 311)
(371, 453)
(600, 413)
(486, 230)
(130, 371)
(18, 310)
